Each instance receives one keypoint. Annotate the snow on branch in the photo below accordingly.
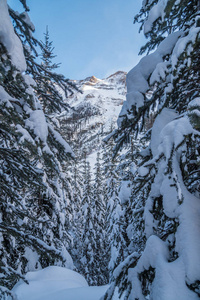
(157, 11)
(9, 39)
(137, 78)
(60, 140)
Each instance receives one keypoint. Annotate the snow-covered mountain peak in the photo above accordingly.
(116, 78)
(95, 92)
(94, 111)
(90, 80)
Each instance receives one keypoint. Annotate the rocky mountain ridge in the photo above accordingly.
(94, 111)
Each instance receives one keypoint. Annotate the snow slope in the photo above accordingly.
(56, 283)
(95, 110)
(104, 97)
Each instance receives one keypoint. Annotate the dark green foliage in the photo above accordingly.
(176, 17)
(20, 180)
(146, 277)
(34, 211)
(94, 239)
(183, 78)
(47, 53)
(98, 207)
(87, 235)
(171, 173)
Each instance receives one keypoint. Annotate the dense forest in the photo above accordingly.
(134, 221)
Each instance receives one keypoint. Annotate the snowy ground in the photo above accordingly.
(56, 283)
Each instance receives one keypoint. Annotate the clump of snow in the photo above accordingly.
(5, 97)
(166, 116)
(188, 244)
(159, 73)
(170, 199)
(157, 11)
(143, 171)
(10, 39)
(183, 43)
(24, 134)
(30, 82)
(173, 135)
(33, 260)
(37, 123)
(61, 141)
(169, 281)
(68, 259)
(125, 191)
(194, 103)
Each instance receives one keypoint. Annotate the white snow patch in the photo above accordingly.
(61, 141)
(37, 123)
(56, 283)
(194, 103)
(10, 39)
(33, 260)
(125, 191)
(4, 97)
(157, 11)
(173, 134)
(166, 116)
(159, 73)
(143, 171)
(170, 199)
(25, 134)
(183, 43)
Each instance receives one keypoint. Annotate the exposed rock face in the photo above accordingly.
(95, 111)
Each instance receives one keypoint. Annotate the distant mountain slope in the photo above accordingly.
(95, 111)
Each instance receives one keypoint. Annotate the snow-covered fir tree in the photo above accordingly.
(166, 182)
(34, 205)
(49, 82)
(92, 256)
(86, 263)
(99, 221)
(113, 215)
(77, 221)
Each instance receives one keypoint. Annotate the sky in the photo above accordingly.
(90, 37)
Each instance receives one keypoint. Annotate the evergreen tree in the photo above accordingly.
(99, 221)
(113, 216)
(94, 257)
(77, 217)
(166, 184)
(48, 89)
(34, 210)
(87, 239)
(47, 53)
(51, 87)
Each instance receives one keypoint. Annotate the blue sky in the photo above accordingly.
(90, 37)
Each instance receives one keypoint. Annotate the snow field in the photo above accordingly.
(57, 283)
